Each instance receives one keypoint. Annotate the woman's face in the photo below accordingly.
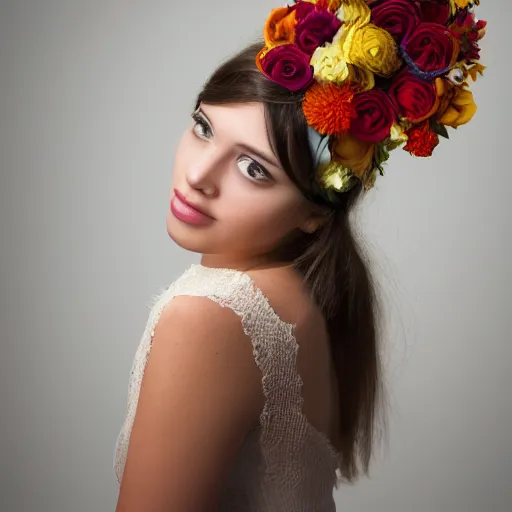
(224, 166)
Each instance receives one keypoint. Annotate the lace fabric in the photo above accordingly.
(285, 464)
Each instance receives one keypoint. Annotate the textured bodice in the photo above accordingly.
(285, 464)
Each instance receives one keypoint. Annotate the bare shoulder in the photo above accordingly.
(201, 392)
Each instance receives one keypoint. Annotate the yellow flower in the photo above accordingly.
(337, 177)
(372, 48)
(329, 63)
(461, 4)
(354, 154)
(397, 136)
(364, 78)
(355, 12)
(457, 107)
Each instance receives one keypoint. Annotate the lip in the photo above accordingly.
(188, 212)
(181, 197)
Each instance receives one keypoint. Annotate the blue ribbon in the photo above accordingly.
(319, 145)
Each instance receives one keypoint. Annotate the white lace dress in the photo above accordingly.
(285, 464)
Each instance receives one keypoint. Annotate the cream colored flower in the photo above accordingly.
(398, 135)
(329, 63)
(337, 177)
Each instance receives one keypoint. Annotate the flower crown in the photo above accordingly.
(376, 74)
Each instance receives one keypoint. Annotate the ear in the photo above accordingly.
(315, 219)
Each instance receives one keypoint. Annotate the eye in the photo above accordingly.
(201, 127)
(253, 170)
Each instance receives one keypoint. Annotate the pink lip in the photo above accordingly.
(186, 212)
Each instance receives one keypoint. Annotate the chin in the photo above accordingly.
(185, 236)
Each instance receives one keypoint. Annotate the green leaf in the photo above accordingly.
(381, 155)
(440, 129)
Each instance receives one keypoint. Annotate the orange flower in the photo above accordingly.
(422, 140)
(280, 27)
(328, 108)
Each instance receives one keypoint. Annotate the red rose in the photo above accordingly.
(287, 66)
(315, 29)
(302, 9)
(431, 48)
(398, 17)
(415, 99)
(435, 11)
(374, 116)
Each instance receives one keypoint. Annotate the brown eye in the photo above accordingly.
(201, 128)
(253, 170)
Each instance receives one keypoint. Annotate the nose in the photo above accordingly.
(205, 171)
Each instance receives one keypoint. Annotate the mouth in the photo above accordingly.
(180, 196)
(188, 212)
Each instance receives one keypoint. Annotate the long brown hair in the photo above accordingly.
(330, 260)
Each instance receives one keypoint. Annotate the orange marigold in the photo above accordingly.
(422, 140)
(328, 108)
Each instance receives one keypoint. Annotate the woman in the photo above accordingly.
(261, 379)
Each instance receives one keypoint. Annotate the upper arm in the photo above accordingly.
(200, 394)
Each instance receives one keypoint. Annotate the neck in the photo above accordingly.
(240, 263)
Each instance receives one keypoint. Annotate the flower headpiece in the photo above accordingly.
(376, 74)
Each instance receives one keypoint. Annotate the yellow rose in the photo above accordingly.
(457, 107)
(354, 154)
(355, 12)
(329, 63)
(372, 48)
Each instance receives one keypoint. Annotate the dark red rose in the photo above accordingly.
(415, 99)
(435, 11)
(288, 66)
(316, 29)
(302, 9)
(374, 116)
(432, 47)
(398, 17)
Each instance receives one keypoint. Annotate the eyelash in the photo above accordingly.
(207, 133)
(200, 122)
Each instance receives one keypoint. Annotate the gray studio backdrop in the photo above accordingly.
(93, 99)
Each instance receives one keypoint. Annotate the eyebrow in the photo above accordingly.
(268, 159)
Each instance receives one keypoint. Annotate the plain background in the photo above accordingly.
(93, 99)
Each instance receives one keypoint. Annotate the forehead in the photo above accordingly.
(239, 123)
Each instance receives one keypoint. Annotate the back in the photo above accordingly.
(293, 304)
(287, 461)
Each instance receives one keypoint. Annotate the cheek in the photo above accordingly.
(182, 159)
(260, 223)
